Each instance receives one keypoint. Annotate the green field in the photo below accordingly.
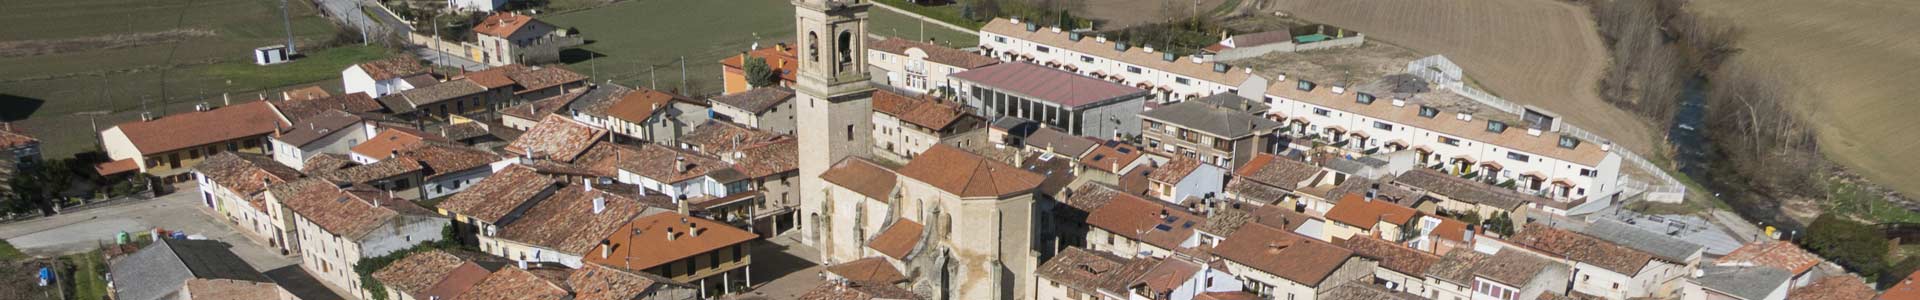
(102, 55)
(631, 38)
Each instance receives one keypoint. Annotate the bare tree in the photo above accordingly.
(1753, 121)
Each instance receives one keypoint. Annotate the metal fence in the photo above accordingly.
(1442, 73)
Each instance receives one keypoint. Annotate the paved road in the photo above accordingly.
(81, 231)
(926, 19)
(447, 59)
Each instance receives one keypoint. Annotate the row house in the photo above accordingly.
(1276, 264)
(1602, 268)
(769, 161)
(333, 228)
(1168, 77)
(978, 213)
(426, 170)
(439, 102)
(170, 146)
(780, 58)
(1502, 274)
(655, 116)
(1556, 165)
(565, 226)
(332, 131)
(919, 67)
(1086, 274)
(764, 108)
(499, 199)
(387, 76)
(1223, 129)
(1183, 178)
(234, 186)
(1400, 268)
(905, 126)
(1442, 192)
(713, 257)
(1074, 103)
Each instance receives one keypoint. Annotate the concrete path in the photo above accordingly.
(447, 59)
(926, 19)
(83, 231)
(788, 266)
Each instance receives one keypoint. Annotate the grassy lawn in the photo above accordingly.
(317, 66)
(1849, 199)
(9, 253)
(945, 13)
(890, 23)
(629, 39)
(46, 90)
(87, 279)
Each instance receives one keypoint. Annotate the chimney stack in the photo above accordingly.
(606, 248)
(587, 182)
(672, 235)
(1373, 191)
(599, 204)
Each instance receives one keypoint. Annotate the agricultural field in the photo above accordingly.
(1538, 52)
(72, 56)
(641, 42)
(1857, 59)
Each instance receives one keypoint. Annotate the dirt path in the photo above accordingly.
(1538, 52)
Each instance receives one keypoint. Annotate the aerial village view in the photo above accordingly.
(959, 149)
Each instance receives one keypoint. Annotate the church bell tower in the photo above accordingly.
(834, 99)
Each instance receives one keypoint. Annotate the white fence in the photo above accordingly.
(1444, 74)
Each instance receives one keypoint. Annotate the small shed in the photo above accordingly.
(270, 55)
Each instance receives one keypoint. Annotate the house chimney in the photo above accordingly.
(681, 206)
(1607, 146)
(1373, 191)
(693, 229)
(672, 235)
(523, 265)
(606, 248)
(1149, 49)
(599, 204)
(587, 182)
(680, 164)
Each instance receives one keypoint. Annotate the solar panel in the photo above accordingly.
(1163, 227)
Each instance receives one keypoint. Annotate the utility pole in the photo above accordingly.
(287, 20)
(683, 75)
(653, 80)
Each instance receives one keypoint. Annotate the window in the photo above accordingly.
(1042, 49)
(1303, 85)
(1153, 143)
(1450, 141)
(1589, 172)
(1182, 80)
(1322, 111)
(1382, 126)
(1496, 126)
(1269, 100)
(1084, 58)
(1569, 142)
(1363, 98)
(1516, 156)
(999, 39)
(849, 132)
(1428, 112)
(1133, 69)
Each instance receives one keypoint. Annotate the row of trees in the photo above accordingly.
(1857, 246)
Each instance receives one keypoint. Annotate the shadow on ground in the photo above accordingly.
(576, 55)
(301, 284)
(772, 260)
(15, 107)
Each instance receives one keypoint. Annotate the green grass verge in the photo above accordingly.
(87, 278)
(945, 13)
(1852, 200)
(316, 66)
(893, 24)
(9, 253)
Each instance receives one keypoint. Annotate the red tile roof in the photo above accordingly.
(665, 237)
(1781, 255)
(1277, 171)
(393, 67)
(1391, 256)
(1090, 271)
(897, 240)
(969, 175)
(352, 213)
(1285, 254)
(417, 272)
(494, 197)
(544, 77)
(502, 24)
(832, 290)
(12, 136)
(567, 223)
(116, 167)
(1047, 84)
(1175, 170)
(389, 142)
(862, 176)
(873, 270)
(245, 174)
(1357, 211)
(518, 284)
(1907, 289)
(557, 138)
(599, 282)
(639, 105)
(200, 128)
(1111, 156)
(1840, 287)
(539, 109)
(1147, 221)
(922, 111)
(671, 165)
(1582, 248)
(495, 77)
(461, 280)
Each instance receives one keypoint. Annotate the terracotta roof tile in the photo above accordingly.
(1391, 256)
(393, 67)
(313, 128)
(768, 159)
(1148, 221)
(639, 105)
(494, 197)
(389, 142)
(897, 240)
(857, 291)
(410, 100)
(303, 108)
(603, 159)
(351, 213)
(757, 100)
(1462, 189)
(517, 284)
(1582, 248)
(557, 138)
(1356, 210)
(1513, 268)
(1780, 255)
(670, 165)
(1167, 275)
(1175, 170)
(495, 77)
(872, 270)
(228, 289)
(539, 109)
(198, 128)
(1255, 192)
(599, 282)
(1089, 271)
(245, 174)
(1277, 171)
(968, 175)
(1842, 287)
(664, 237)
(934, 53)
(383, 169)
(443, 159)
(862, 176)
(502, 24)
(567, 223)
(1364, 291)
(1396, 194)
(922, 111)
(544, 77)
(1284, 254)
(326, 162)
(1907, 289)
(417, 272)
(1111, 155)
(12, 136)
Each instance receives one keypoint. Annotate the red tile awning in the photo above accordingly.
(116, 167)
